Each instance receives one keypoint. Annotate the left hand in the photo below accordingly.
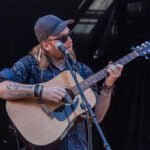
(114, 73)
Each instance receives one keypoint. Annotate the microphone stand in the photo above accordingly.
(86, 105)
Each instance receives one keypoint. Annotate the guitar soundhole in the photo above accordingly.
(60, 109)
(69, 97)
(63, 112)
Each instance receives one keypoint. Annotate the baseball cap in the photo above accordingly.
(49, 25)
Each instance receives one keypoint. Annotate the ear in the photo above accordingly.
(46, 45)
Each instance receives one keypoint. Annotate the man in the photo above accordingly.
(44, 63)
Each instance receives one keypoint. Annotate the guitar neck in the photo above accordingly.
(103, 73)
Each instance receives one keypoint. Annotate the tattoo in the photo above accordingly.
(18, 86)
(19, 95)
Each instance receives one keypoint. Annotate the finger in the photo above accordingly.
(60, 89)
(54, 99)
(120, 67)
(111, 68)
(58, 97)
(110, 62)
(115, 68)
(110, 72)
(114, 72)
(60, 93)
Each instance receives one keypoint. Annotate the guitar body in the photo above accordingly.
(35, 125)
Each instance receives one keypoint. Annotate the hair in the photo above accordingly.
(40, 54)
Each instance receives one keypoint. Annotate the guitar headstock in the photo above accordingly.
(143, 49)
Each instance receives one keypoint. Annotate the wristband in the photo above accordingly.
(38, 89)
(106, 90)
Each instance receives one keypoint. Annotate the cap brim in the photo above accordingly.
(62, 26)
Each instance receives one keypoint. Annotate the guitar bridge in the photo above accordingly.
(45, 108)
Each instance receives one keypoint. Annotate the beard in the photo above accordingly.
(57, 54)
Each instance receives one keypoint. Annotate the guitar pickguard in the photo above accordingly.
(63, 112)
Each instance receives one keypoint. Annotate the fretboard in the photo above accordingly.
(103, 73)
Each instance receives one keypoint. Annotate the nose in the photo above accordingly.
(69, 39)
(69, 42)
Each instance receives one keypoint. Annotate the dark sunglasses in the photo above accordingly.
(62, 38)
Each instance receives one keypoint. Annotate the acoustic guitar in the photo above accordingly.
(41, 122)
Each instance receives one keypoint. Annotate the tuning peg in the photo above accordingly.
(146, 57)
(147, 42)
(133, 48)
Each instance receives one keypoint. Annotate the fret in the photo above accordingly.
(121, 61)
(84, 84)
(126, 58)
(102, 73)
(94, 79)
(131, 56)
(134, 54)
(90, 80)
(75, 90)
(98, 77)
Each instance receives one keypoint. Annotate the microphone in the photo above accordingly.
(61, 47)
(65, 52)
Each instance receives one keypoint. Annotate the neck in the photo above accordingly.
(59, 63)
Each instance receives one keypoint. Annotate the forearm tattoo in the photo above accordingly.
(15, 86)
(15, 95)
(19, 91)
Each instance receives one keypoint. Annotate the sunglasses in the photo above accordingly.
(62, 38)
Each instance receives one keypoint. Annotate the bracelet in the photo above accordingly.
(106, 90)
(38, 90)
(104, 93)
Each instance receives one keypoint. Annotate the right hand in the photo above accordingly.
(55, 94)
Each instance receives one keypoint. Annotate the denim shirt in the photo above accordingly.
(26, 70)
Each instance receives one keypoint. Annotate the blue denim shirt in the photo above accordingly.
(26, 70)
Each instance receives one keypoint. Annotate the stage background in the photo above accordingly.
(125, 23)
